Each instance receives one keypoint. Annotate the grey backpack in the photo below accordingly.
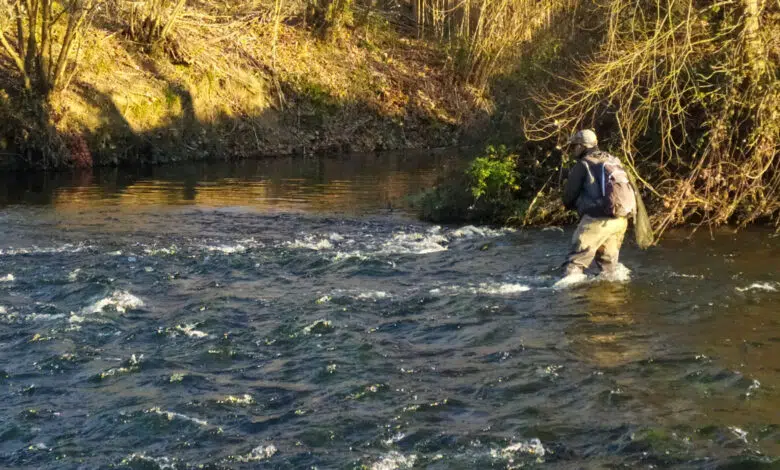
(616, 191)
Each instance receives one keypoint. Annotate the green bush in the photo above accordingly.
(486, 192)
(493, 177)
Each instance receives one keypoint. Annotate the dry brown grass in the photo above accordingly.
(42, 39)
(487, 38)
(255, 80)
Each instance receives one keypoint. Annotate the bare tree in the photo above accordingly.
(690, 91)
(43, 34)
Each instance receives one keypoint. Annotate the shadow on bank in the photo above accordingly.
(115, 164)
(308, 122)
(297, 118)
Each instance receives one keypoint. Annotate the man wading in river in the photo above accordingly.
(600, 190)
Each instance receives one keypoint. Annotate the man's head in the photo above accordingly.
(583, 140)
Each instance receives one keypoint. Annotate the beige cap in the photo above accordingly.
(585, 137)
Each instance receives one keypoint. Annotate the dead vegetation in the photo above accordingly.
(42, 35)
(689, 93)
(151, 23)
(164, 81)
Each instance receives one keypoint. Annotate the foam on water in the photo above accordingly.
(261, 452)
(251, 242)
(621, 275)
(571, 280)
(399, 243)
(189, 330)
(753, 388)
(172, 415)
(318, 326)
(394, 460)
(532, 447)
(414, 243)
(470, 231)
(686, 276)
(398, 437)
(343, 255)
(44, 316)
(311, 242)
(162, 463)
(740, 433)
(246, 399)
(131, 365)
(445, 290)
(227, 249)
(373, 295)
(500, 289)
(35, 250)
(121, 301)
(549, 371)
(484, 288)
(761, 286)
(161, 251)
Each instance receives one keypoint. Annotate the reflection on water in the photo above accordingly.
(604, 336)
(357, 184)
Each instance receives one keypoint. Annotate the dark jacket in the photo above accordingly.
(583, 191)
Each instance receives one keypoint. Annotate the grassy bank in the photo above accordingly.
(235, 83)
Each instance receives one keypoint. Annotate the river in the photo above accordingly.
(293, 314)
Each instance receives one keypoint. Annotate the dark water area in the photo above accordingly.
(355, 184)
(292, 314)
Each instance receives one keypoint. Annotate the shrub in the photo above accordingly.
(486, 192)
(493, 176)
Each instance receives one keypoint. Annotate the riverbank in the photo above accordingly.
(239, 87)
(697, 127)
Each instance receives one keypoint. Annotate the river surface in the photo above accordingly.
(292, 314)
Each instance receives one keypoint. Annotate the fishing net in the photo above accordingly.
(643, 230)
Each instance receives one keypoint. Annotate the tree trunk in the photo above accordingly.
(753, 46)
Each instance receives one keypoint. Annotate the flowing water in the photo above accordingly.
(291, 314)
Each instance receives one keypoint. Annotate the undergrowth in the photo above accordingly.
(498, 187)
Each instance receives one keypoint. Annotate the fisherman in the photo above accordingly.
(600, 190)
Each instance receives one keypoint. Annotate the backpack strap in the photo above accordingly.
(602, 157)
(590, 173)
(603, 179)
